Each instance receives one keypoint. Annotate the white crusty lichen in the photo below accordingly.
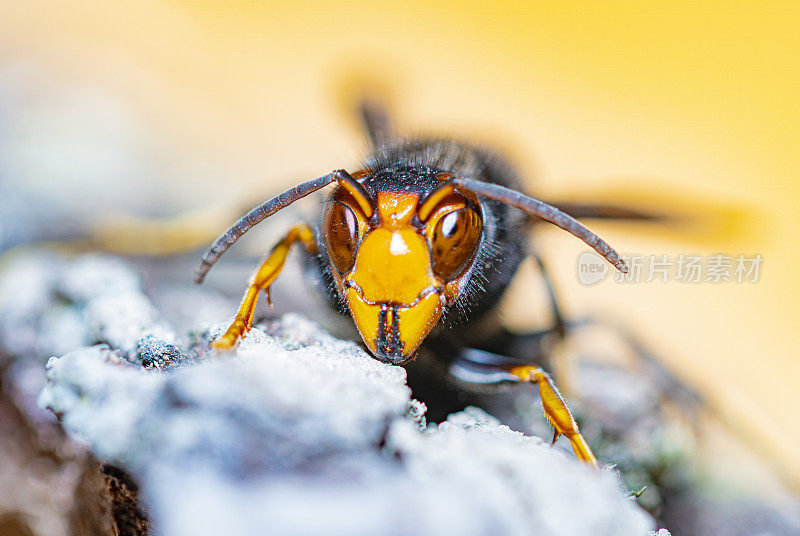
(297, 432)
(301, 433)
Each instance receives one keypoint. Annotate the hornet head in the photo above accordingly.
(399, 259)
(401, 256)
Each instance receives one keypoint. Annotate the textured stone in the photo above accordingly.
(300, 433)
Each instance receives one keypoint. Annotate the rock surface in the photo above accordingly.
(327, 440)
(296, 433)
(300, 433)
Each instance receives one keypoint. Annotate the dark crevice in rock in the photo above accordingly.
(130, 518)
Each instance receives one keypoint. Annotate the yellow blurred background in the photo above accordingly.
(684, 101)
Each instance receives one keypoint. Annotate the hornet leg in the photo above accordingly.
(261, 280)
(561, 362)
(477, 368)
(559, 326)
(546, 347)
(556, 410)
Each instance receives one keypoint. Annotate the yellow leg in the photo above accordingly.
(556, 411)
(261, 280)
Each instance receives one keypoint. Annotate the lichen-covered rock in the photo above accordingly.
(297, 421)
(50, 304)
(300, 433)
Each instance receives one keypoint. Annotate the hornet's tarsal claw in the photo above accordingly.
(227, 341)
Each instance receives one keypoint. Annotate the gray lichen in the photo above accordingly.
(300, 433)
(297, 432)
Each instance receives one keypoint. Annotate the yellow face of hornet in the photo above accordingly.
(399, 262)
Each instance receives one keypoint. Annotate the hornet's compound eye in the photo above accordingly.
(455, 241)
(341, 235)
